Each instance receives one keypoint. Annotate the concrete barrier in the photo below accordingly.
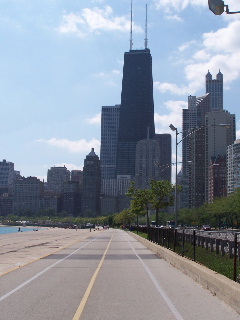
(225, 289)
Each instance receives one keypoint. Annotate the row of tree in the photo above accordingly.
(223, 212)
(160, 195)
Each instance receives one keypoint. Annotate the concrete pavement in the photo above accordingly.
(19, 249)
(120, 262)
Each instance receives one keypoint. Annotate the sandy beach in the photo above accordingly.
(18, 249)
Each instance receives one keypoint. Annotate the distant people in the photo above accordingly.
(19, 229)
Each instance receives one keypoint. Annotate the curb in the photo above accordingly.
(220, 286)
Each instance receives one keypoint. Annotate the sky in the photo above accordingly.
(62, 60)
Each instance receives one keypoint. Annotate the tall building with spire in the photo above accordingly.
(124, 125)
(137, 108)
(136, 118)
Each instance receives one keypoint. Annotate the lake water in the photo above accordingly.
(5, 230)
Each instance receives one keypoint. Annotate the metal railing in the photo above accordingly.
(217, 250)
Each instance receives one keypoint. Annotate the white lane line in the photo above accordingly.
(43, 271)
(159, 288)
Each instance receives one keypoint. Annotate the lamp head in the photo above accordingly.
(172, 127)
(216, 6)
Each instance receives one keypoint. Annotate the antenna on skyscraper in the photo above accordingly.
(131, 42)
(146, 39)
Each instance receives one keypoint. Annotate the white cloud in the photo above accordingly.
(177, 5)
(186, 45)
(225, 39)
(79, 146)
(201, 55)
(106, 74)
(95, 21)
(219, 50)
(99, 75)
(174, 17)
(238, 134)
(173, 116)
(95, 120)
(117, 72)
(238, 131)
(172, 88)
(109, 78)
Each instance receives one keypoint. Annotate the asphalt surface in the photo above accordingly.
(100, 275)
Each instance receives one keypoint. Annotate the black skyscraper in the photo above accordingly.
(137, 108)
(91, 185)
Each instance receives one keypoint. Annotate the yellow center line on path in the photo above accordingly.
(90, 286)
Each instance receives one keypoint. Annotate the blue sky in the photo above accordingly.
(62, 60)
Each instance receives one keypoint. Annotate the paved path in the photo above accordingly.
(104, 275)
(18, 249)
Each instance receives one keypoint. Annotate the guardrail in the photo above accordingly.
(217, 250)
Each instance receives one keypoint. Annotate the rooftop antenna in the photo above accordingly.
(146, 39)
(131, 42)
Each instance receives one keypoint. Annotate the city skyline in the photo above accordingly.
(62, 61)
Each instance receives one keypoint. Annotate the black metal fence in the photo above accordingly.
(217, 250)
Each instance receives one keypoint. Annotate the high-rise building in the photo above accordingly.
(147, 163)
(207, 131)
(137, 108)
(56, 176)
(6, 204)
(233, 167)
(193, 119)
(109, 139)
(6, 174)
(209, 142)
(27, 195)
(165, 159)
(220, 133)
(71, 198)
(77, 176)
(217, 178)
(91, 185)
(215, 88)
(113, 197)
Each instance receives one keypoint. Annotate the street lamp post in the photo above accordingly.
(176, 173)
(176, 177)
(217, 7)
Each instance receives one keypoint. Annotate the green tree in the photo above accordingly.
(125, 217)
(140, 202)
(161, 195)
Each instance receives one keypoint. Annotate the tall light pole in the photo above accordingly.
(176, 177)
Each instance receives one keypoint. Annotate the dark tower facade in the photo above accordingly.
(137, 108)
(165, 159)
(91, 185)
